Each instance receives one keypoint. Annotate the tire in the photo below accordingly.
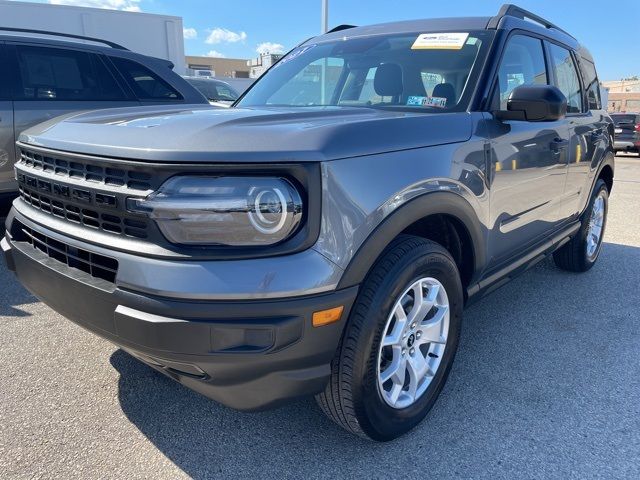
(574, 256)
(353, 397)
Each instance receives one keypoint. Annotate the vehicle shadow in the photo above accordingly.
(532, 381)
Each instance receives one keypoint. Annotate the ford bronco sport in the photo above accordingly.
(323, 235)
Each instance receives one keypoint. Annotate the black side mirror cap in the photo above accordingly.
(534, 103)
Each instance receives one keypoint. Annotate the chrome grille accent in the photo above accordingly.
(97, 174)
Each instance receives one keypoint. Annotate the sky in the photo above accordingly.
(241, 28)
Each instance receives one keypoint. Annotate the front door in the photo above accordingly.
(529, 159)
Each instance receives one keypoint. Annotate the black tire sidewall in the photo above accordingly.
(377, 419)
(600, 186)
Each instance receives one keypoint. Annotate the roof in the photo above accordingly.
(411, 26)
(510, 17)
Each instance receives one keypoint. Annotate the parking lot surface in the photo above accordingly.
(546, 384)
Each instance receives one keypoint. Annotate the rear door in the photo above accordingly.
(7, 147)
(52, 81)
(587, 124)
(529, 158)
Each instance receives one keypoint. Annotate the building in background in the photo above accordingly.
(624, 95)
(259, 65)
(217, 67)
(155, 35)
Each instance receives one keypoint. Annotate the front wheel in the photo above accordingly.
(399, 343)
(581, 253)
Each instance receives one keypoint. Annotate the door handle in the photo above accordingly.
(558, 144)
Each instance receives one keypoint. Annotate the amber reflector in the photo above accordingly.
(324, 317)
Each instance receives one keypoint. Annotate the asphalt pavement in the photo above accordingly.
(546, 384)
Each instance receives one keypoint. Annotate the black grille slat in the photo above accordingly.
(111, 222)
(98, 266)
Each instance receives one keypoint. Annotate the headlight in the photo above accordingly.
(233, 211)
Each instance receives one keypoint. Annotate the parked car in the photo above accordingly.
(627, 132)
(324, 243)
(217, 92)
(44, 76)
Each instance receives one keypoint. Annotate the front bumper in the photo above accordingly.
(246, 354)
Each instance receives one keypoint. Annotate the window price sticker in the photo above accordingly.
(440, 41)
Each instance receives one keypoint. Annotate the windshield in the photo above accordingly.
(214, 91)
(429, 71)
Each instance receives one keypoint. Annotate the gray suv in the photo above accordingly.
(44, 76)
(323, 235)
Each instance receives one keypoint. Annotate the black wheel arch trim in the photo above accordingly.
(432, 203)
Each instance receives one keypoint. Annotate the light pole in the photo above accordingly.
(325, 16)
(323, 69)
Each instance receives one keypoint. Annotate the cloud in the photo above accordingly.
(270, 47)
(189, 33)
(222, 35)
(215, 53)
(126, 5)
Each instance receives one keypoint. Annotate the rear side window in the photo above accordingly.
(591, 84)
(58, 74)
(145, 84)
(566, 77)
(522, 64)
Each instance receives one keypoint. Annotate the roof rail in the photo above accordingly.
(510, 10)
(341, 27)
(66, 35)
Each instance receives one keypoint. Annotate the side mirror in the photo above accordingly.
(534, 103)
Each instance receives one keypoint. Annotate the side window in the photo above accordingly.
(566, 77)
(145, 84)
(522, 64)
(592, 85)
(61, 75)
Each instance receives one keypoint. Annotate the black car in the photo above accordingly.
(627, 132)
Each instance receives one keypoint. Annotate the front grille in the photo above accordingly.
(108, 222)
(87, 191)
(98, 266)
(90, 172)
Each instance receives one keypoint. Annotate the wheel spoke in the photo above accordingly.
(432, 329)
(395, 337)
(418, 368)
(395, 393)
(422, 304)
(396, 371)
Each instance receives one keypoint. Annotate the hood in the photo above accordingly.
(246, 134)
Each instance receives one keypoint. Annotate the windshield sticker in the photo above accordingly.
(436, 102)
(293, 54)
(440, 41)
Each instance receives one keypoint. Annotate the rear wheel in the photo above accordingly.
(582, 252)
(399, 343)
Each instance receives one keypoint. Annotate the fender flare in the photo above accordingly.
(433, 203)
(608, 160)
